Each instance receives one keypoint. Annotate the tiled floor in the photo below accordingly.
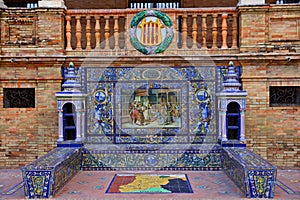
(205, 185)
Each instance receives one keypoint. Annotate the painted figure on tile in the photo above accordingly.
(204, 119)
(205, 114)
(146, 108)
(204, 108)
(141, 117)
(157, 108)
(169, 115)
(133, 112)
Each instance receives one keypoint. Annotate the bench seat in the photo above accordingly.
(48, 174)
(251, 173)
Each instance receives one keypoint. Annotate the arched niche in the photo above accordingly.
(233, 121)
(69, 121)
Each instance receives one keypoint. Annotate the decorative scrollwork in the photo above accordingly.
(19, 97)
(284, 96)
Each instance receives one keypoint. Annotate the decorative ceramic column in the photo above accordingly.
(223, 126)
(220, 125)
(60, 126)
(83, 124)
(78, 126)
(242, 133)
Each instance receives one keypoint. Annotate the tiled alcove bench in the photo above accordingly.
(49, 173)
(252, 174)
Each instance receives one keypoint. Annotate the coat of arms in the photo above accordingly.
(151, 32)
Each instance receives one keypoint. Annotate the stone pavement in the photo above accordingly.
(205, 185)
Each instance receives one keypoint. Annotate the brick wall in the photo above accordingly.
(30, 59)
(27, 133)
(272, 132)
(269, 28)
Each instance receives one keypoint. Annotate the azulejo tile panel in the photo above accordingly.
(134, 159)
(153, 105)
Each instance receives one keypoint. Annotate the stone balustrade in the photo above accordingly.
(206, 29)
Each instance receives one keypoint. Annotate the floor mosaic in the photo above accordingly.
(205, 185)
(150, 183)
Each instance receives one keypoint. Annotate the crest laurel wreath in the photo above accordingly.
(151, 49)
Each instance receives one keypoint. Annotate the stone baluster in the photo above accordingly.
(194, 31)
(78, 32)
(204, 31)
(176, 30)
(125, 33)
(97, 32)
(224, 31)
(184, 31)
(88, 32)
(234, 31)
(214, 31)
(116, 31)
(106, 32)
(68, 33)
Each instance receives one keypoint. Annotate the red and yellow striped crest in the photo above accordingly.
(151, 32)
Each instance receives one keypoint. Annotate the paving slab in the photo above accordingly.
(205, 185)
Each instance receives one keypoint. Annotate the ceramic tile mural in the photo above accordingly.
(150, 105)
(160, 159)
(146, 109)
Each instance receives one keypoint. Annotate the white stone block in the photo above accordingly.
(52, 4)
(252, 2)
(2, 5)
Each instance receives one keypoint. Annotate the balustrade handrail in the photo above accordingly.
(201, 28)
(168, 10)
